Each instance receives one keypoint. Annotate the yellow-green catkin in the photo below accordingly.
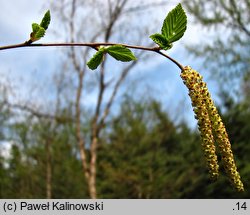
(211, 126)
(224, 144)
(193, 81)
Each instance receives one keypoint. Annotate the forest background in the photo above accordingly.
(126, 130)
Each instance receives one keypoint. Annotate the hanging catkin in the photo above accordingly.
(192, 80)
(211, 127)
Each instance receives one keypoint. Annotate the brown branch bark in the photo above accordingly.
(80, 73)
(94, 46)
(114, 15)
(48, 169)
(79, 137)
(95, 134)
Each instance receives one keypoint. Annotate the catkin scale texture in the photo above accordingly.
(211, 127)
(192, 81)
(221, 138)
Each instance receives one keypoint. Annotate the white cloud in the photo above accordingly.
(15, 23)
(5, 147)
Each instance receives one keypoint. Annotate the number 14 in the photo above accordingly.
(241, 205)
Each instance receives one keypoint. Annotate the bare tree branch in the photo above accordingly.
(79, 137)
(69, 11)
(115, 90)
(34, 112)
(145, 6)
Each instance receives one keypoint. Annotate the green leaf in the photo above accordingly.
(46, 20)
(161, 41)
(35, 27)
(120, 53)
(175, 24)
(40, 33)
(96, 60)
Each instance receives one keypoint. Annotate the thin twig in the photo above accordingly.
(170, 58)
(92, 45)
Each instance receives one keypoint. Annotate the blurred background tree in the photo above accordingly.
(225, 45)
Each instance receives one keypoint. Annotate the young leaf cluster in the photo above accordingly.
(119, 52)
(39, 30)
(173, 28)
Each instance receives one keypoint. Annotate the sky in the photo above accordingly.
(15, 24)
(28, 69)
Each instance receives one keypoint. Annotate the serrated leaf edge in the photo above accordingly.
(46, 20)
(173, 14)
(100, 52)
(161, 41)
